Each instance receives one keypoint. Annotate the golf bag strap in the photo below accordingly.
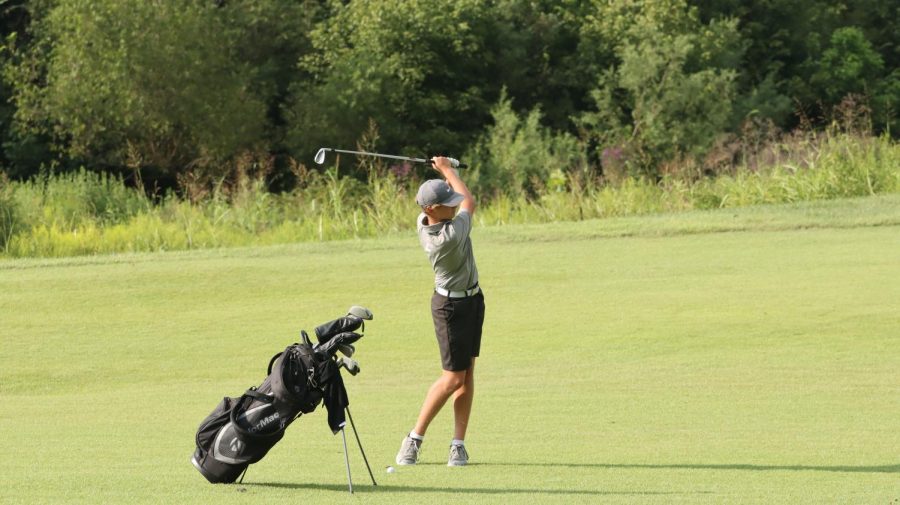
(256, 395)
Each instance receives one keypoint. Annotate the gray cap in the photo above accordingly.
(437, 192)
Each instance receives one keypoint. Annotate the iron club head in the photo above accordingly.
(351, 365)
(320, 156)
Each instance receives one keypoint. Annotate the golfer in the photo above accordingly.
(457, 307)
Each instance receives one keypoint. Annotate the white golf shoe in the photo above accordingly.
(409, 452)
(458, 456)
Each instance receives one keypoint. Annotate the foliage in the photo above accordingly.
(172, 82)
(422, 70)
(519, 157)
(787, 41)
(671, 95)
(9, 222)
(175, 92)
(86, 213)
(851, 66)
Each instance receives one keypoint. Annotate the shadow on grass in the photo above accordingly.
(755, 468)
(473, 490)
(427, 489)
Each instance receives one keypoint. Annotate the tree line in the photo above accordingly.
(169, 89)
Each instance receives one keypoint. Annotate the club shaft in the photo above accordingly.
(391, 156)
(355, 433)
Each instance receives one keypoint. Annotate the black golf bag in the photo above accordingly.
(241, 431)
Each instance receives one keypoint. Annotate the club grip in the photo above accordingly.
(453, 162)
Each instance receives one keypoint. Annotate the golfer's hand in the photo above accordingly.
(441, 164)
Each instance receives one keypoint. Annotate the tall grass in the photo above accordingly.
(87, 213)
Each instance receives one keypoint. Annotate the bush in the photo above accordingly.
(8, 213)
(519, 157)
(88, 213)
(671, 95)
(72, 198)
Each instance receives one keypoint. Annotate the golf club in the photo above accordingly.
(320, 157)
(347, 350)
(351, 365)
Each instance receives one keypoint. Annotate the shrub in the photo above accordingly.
(87, 213)
(519, 157)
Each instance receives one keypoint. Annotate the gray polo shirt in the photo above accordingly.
(449, 249)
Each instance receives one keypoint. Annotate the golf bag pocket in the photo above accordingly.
(213, 430)
(213, 423)
(239, 432)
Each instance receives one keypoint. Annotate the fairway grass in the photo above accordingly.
(737, 356)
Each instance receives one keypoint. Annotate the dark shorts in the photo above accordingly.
(457, 325)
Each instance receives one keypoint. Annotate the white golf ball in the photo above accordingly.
(390, 469)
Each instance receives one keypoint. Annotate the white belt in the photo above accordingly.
(458, 294)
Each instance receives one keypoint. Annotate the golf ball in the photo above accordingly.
(390, 469)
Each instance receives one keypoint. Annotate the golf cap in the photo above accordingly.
(437, 192)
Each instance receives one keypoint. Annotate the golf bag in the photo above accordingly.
(241, 431)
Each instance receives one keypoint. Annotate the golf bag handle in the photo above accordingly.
(272, 362)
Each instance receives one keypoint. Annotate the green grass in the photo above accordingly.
(733, 356)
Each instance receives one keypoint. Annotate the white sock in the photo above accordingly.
(415, 436)
(457, 441)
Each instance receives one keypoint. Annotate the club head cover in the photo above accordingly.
(340, 325)
(330, 347)
(360, 312)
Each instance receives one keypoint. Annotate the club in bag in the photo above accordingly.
(351, 365)
(320, 157)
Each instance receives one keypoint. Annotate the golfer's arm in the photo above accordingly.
(460, 187)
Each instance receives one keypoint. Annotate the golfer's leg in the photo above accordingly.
(437, 396)
(462, 403)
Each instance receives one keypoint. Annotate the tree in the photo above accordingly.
(425, 71)
(173, 85)
(671, 93)
(21, 153)
(787, 41)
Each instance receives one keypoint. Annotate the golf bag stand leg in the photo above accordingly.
(347, 460)
(356, 434)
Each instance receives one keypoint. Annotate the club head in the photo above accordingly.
(347, 350)
(352, 366)
(320, 156)
(360, 312)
